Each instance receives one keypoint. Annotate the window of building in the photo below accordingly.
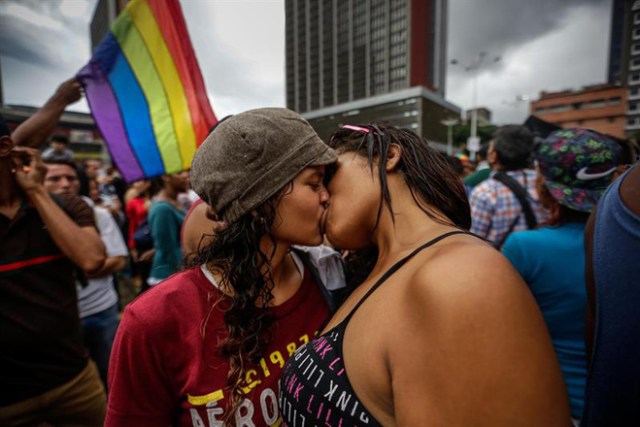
(631, 121)
(615, 100)
(596, 103)
(558, 108)
(634, 77)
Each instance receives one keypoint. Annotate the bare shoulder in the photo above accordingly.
(467, 276)
(464, 262)
(477, 335)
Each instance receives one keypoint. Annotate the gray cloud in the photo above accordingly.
(543, 45)
(500, 26)
(45, 38)
(240, 49)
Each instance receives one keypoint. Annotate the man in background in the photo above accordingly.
(45, 374)
(97, 298)
(496, 211)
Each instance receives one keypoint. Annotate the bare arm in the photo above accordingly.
(80, 244)
(480, 351)
(111, 265)
(37, 128)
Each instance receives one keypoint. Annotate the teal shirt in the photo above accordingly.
(477, 177)
(165, 221)
(551, 261)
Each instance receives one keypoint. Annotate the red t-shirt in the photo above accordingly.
(163, 371)
(136, 211)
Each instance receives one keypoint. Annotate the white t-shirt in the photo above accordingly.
(100, 293)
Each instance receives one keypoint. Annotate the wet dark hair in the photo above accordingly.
(433, 184)
(246, 272)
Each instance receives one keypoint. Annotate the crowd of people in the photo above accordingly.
(286, 280)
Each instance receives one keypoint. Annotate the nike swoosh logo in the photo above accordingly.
(585, 176)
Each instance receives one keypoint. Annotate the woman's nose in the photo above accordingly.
(324, 199)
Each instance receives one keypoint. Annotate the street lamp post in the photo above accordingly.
(449, 123)
(473, 143)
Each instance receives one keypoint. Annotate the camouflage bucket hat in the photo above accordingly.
(578, 165)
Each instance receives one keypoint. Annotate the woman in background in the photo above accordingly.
(574, 167)
(165, 220)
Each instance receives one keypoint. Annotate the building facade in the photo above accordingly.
(414, 108)
(599, 107)
(342, 51)
(356, 61)
(624, 58)
(105, 13)
(482, 113)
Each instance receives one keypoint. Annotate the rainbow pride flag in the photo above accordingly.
(146, 92)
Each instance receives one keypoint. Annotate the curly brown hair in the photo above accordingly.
(245, 271)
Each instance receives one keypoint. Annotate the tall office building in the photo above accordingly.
(343, 56)
(341, 51)
(105, 13)
(624, 57)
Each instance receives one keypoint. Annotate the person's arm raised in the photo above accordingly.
(480, 351)
(82, 245)
(34, 131)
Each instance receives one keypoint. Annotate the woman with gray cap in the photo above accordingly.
(206, 347)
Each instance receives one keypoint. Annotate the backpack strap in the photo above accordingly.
(522, 196)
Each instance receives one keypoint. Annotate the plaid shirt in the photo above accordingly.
(494, 207)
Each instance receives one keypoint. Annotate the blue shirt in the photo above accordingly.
(551, 261)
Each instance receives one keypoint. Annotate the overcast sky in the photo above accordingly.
(542, 45)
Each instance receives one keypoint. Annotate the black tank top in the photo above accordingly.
(314, 386)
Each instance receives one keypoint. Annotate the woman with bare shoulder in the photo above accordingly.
(443, 331)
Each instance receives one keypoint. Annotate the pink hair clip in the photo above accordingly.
(356, 128)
